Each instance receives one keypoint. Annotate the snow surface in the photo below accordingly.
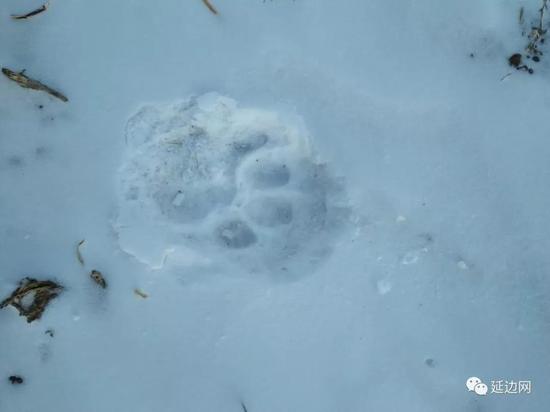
(438, 270)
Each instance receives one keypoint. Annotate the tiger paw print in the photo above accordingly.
(206, 182)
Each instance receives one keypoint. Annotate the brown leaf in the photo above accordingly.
(98, 278)
(42, 292)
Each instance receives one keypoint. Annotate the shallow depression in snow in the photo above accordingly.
(204, 182)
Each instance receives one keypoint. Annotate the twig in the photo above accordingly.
(39, 10)
(521, 13)
(141, 294)
(28, 83)
(536, 38)
(505, 76)
(544, 7)
(78, 254)
(210, 7)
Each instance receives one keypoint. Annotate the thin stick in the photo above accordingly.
(505, 76)
(537, 33)
(521, 12)
(78, 254)
(141, 294)
(210, 7)
(28, 83)
(544, 7)
(39, 10)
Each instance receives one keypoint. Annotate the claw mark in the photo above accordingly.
(210, 7)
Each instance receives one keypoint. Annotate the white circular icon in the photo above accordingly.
(481, 389)
(472, 382)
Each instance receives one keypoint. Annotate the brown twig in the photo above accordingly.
(39, 10)
(541, 11)
(210, 6)
(26, 82)
(537, 33)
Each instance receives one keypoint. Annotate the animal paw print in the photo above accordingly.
(231, 184)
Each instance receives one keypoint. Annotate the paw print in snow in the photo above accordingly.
(205, 182)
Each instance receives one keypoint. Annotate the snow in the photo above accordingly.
(435, 165)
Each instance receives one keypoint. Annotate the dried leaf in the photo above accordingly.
(42, 292)
(26, 82)
(98, 278)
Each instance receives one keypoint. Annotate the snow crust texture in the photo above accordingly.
(203, 175)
